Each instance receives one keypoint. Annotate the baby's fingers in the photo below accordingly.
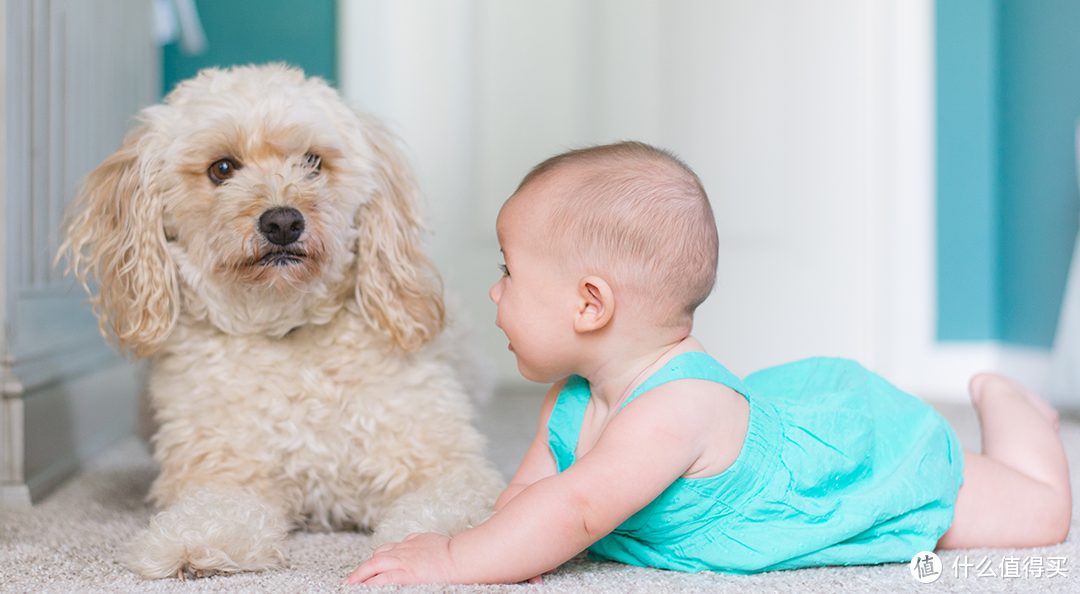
(390, 545)
(370, 568)
(383, 548)
(357, 576)
(389, 577)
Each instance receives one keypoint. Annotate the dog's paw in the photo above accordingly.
(458, 499)
(211, 531)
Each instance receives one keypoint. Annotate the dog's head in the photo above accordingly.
(254, 198)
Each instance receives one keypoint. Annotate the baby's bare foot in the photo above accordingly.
(983, 382)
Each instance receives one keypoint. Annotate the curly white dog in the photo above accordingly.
(257, 240)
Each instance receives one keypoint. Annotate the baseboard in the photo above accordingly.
(46, 480)
(68, 423)
(14, 497)
(941, 371)
(1030, 366)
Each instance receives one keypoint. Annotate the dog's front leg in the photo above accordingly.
(211, 530)
(454, 500)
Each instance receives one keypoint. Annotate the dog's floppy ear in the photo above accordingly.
(397, 286)
(115, 238)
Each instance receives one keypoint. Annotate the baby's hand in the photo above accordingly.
(422, 558)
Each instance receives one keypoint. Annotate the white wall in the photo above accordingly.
(810, 124)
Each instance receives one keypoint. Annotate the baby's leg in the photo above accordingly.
(1016, 493)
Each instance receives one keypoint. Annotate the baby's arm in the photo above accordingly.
(648, 445)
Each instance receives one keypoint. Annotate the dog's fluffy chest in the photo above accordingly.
(319, 413)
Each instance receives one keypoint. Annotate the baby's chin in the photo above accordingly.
(537, 376)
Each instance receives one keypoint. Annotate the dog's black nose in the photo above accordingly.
(281, 226)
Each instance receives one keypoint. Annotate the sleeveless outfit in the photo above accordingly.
(839, 467)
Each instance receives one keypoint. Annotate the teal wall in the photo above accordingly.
(1008, 96)
(1040, 202)
(967, 164)
(300, 32)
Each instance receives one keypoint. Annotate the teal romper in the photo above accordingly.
(839, 467)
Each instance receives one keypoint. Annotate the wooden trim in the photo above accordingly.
(14, 492)
(72, 76)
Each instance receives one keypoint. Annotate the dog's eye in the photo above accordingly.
(221, 170)
(314, 162)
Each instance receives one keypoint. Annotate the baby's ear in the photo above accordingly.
(595, 305)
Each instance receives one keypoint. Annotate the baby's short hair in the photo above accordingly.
(638, 216)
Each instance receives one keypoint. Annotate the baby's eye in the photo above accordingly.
(503, 270)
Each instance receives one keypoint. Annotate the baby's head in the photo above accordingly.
(634, 215)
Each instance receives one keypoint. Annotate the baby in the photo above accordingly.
(649, 452)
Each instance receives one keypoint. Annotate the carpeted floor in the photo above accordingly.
(71, 542)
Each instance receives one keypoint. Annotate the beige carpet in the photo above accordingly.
(71, 542)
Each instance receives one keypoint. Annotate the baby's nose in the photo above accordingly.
(495, 292)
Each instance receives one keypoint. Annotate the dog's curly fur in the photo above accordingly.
(296, 385)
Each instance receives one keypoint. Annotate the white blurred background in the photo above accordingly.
(810, 125)
(816, 128)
